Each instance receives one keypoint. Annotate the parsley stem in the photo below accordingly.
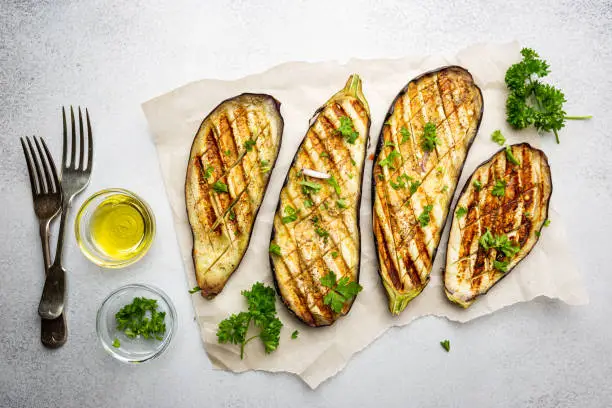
(244, 344)
(579, 117)
(556, 135)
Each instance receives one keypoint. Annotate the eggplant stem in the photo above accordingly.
(579, 117)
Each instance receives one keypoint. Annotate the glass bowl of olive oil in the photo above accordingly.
(114, 228)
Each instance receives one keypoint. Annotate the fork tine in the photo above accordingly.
(56, 182)
(39, 176)
(73, 147)
(64, 149)
(82, 140)
(31, 171)
(89, 142)
(45, 166)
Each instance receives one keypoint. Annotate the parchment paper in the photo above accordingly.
(302, 87)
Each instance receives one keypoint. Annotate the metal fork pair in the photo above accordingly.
(49, 198)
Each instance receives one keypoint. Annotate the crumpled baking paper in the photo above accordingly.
(320, 353)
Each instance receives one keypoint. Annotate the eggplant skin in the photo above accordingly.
(325, 233)
(519, 214)
(417, 182)
(235, 149)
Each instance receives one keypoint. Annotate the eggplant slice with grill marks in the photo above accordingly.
(316, 225)
(414, 181)
(497, 221)
(228, 172)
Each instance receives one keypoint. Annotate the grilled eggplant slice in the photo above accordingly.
(316, 225)
(497, 221)
(415, 178)
(227, 176)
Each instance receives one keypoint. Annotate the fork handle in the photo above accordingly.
(53, 333)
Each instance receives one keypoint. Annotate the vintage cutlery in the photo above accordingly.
(47, 198)
(75, 177)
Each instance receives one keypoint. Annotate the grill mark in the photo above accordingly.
(296, 290)
(384, 255)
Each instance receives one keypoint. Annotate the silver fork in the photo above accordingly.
(47, 198)
(75, 177)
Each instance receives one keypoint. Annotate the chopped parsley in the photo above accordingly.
(414, 186)
(444, 189)
(511, 157)
(477, 185)
(220, 187)
(498, 138)
(340, 291)
(424, 217)
(538, 233)
(461, 211)
(309, 187)
(334, 254)
(429, 140)
(308, 203)
(228, 152)
(195, 289)
(353, 162)
(264, 166)
(402, 181)
(116, 343)
(141, 318)
(501, 243)
(405, 134)
(499, 188)
(232, 215)
(208, 171)
(290, 215)
(294, 335)
(445, 345)
(389, 144)
(275, 249)
(388, 161)
(322, 232)
(341, 203)
(347, 130)
(334, 183)
(547, 223)
(501, 266)
(249, 144)
(324, 154)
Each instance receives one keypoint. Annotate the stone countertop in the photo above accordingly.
(112, 55)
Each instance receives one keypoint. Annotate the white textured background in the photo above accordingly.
(113, 55)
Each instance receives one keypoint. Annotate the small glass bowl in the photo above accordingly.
(137, 350)
(87, 244)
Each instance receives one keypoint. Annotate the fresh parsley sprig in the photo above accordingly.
(531, 102)
(261, 312)
(340, 291)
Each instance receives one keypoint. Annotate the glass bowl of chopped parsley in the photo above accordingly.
(136, 322)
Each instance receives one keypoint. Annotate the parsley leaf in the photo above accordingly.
(334, 254)
(291, 215)
(501, 243)
(308, 203)
(547, 223)
(414, 186)
(324, 154)
(405, 134)
(141, 318)
(275, 249)
(249, 144)
(220, 187)
(429, 140)
(424, 217)
(389, 144)
(510, 156)
(445, 345)
(401, 182)
(477, 185)
(194, 290)
(498, 138)
(531, 102)
(341, 203)
(264, 166)
(208, 172)
(228, 152)
(322, 232)
(294, 335)
(341, 291)
(347, 130)
(501, 266)
(388, 161)
(116, 343)
(309, 187)
(334, 183)
(261, 312)
(461, 211)
(499, 188)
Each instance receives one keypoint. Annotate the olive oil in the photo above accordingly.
(118, 227)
